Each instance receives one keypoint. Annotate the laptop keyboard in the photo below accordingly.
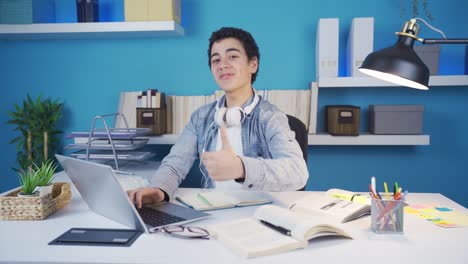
(157, 218)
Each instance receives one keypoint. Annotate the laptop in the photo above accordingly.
(104, 195)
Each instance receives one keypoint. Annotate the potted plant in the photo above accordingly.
(28, 180)
(45, 175)
(36, 120)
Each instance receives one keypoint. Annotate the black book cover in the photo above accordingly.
(92, 10)
(80, 10)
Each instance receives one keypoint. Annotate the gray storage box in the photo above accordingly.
(396, 119)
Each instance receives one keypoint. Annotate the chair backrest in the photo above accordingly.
(302, 136)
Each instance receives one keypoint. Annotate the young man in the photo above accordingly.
(243, 141)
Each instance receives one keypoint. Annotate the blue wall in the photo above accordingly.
(89, 74)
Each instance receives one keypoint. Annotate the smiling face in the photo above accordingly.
(230, 66)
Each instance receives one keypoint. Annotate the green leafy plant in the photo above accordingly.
(415, 9)
(45, 172)
(36, 122)
(28, 180)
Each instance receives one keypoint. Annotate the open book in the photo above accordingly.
(211, 200)
(274, 230)
(343, 205)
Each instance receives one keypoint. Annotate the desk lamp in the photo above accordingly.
(399, 63)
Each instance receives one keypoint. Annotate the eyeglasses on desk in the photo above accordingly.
(186, 232)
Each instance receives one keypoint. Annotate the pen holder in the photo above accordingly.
(387, 216)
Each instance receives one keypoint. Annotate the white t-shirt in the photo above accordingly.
(235, 138)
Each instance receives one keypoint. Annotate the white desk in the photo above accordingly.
(422, 242)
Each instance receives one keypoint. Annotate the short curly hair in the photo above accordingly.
(245, 38)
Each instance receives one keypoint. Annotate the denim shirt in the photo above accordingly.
(272, 158)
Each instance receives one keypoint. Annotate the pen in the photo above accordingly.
(395, 188)
(374, 188)
(280, 229)
(373, 193)
(397, 196)
(386, 190)
(373, 184)
(204, 200)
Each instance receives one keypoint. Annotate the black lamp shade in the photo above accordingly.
(398, 64)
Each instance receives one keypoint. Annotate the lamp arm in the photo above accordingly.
(431, 41)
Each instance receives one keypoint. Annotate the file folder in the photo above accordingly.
(326, 48)
(360, 44)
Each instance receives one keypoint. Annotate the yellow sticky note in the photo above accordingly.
(455, 217)
(445, 224)
(430, 210)
(410, 210)
(426, 216)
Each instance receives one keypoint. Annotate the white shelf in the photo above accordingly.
(350, 82)
(90, 30)
(368, 139)
(326, 139)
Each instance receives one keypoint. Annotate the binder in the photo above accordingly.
(92, 10)
(43, 11)
(16, 12)
(326, 48)
(466, 60)
(80, 10)
(152, 10)
(136, 10)
(360, 44)
(164, 10)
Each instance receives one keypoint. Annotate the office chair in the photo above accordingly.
(302, 136)
(193, 178)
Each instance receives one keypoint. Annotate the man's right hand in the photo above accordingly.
(142, 196)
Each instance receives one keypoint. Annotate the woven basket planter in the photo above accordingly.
(13, 207)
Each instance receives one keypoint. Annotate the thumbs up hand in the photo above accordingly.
(224, 164)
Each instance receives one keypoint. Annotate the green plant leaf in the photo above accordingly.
(35, 115)
(28, 180)
(45, 172)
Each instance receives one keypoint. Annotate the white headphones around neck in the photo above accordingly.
(233, 116)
